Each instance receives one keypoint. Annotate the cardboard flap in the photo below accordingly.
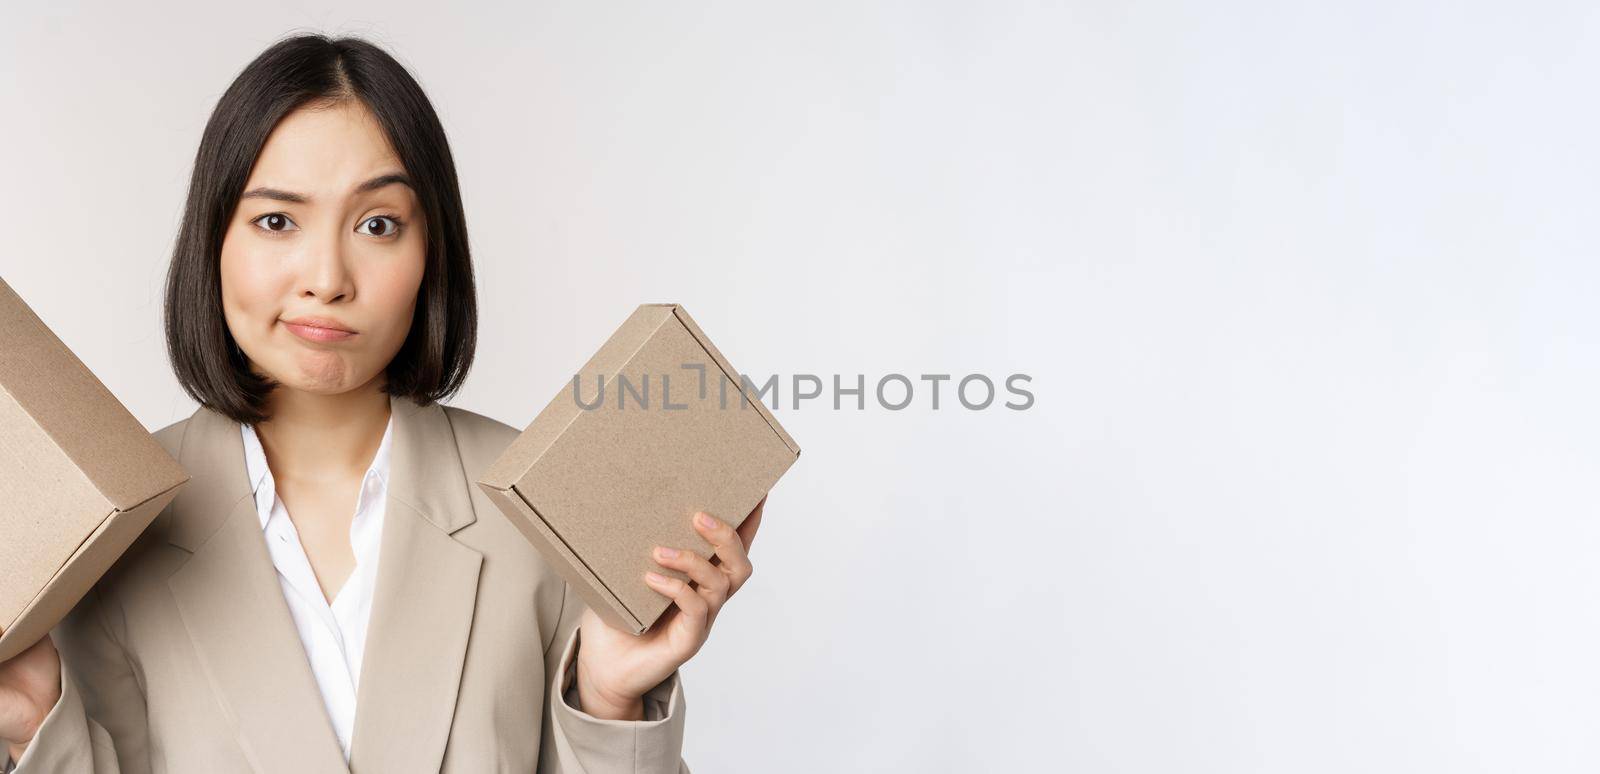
(79, 414)
(48, 507)
(733, 374)
(93, 556)
(558, 413)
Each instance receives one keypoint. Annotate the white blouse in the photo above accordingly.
(335, 636)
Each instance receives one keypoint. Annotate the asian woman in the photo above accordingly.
(330, 592)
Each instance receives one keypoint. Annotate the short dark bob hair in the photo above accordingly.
(437, 353)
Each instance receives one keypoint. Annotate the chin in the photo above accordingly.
(319, 388)
(321, 373)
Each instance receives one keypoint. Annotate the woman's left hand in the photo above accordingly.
(616, 668)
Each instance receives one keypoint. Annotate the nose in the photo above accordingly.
(325, 275)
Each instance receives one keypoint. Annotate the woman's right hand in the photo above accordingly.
(30, 685)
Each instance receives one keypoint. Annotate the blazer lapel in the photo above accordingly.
(230, 601)
(423, 603)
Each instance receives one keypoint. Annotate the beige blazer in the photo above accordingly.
(184, 659)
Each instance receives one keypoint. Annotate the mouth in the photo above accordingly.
(319, 329)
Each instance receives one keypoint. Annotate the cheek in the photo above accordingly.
(248, 284)
(397, 291)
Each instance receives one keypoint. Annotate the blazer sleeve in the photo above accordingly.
(575, 742)
(98, 726)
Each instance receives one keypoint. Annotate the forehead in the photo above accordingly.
(325, 150)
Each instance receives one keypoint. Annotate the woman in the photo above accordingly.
(330, 591)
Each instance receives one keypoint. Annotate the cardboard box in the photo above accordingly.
(80, 478)
(622, 462)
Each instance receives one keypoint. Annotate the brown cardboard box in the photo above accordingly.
(603, 474)
(80, 478)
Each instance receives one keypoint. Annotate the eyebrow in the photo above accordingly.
(278, 194)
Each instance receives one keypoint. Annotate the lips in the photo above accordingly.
(320, 329)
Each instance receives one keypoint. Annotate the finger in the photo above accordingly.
(713, 582)
(728, 547)
(692, 607)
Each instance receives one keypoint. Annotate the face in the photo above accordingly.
(324, 256)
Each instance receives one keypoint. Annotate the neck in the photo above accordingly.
(313, 437)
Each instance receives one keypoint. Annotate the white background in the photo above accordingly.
(1308, 293)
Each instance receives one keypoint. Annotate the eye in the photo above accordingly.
(380, 226)
(275, 221)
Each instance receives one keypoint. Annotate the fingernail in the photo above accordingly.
(705, 519)
(666, 553)
(654, 578)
